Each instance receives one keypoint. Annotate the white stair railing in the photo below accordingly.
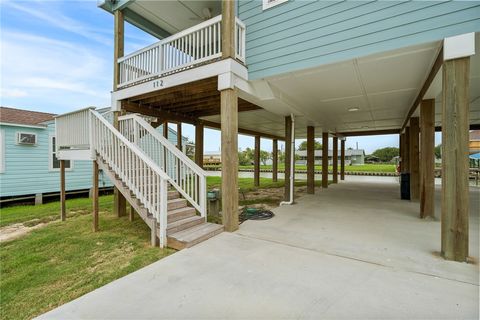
(184, 174)
(132, 166)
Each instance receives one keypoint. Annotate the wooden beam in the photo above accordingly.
(342, 159)
(131, 215)
(288, 154)
(119, 202)
(311, 159)
(165, 129)
(414, 159)
(335, 160)
(427, 158)
(455, 171)
(95, 196)
(367, 133)
(63, 210)
(274, 160)
(179, 136)
(228, 29)
(256, 162)
(118, 45)
(433, 72)
(229, 120)
(199, 144)
(325, 160)
(402, 151)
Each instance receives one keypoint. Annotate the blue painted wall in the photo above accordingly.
(302, 34)
(26, 168)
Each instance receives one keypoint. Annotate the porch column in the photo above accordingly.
(406, 152)
(342, 159)
(63, 211)
(275, 160)
(455, 132)
(414, 159)
(335, 160)
(229, 127)
(325, 160)
(288, 154)
(310, 159)
(119, 201)
(95, 196)
(427, 158)
(256, 162)
(199, 144)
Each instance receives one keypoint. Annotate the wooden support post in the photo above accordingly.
(63, 210)
(199, 144)
(131, 215)
(118, 45)
(256, 162)
(335, 160)
(427, 158)
(165, 129)
(401, 150)
(275, 160)
(455, 171)
(414, 159)
(229, 156)
(288, 153)
(95, 196)
(342, 159)
(228, 29)
(179, 137)
(325, 160)
(310, 160)
(119, 201)
(406, 153)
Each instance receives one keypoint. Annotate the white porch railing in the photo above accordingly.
(190, 47)
(73, 129)
(184, 174)
(137, 171)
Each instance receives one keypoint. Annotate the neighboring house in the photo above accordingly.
(474, 145)
(212, 158)
(352, 157)
(28, 165)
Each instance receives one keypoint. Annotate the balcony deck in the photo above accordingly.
(190, 48)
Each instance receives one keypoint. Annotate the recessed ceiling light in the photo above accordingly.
(353, 109)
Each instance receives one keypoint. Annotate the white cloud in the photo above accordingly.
(12, 93)
(53, 72)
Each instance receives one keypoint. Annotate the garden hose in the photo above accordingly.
(255, 214)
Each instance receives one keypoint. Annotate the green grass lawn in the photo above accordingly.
(359, 168)
(64, 260)
(246, 184)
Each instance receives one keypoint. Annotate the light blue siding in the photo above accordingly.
(303, 34)
(27, 170)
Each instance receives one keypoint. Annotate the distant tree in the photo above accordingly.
(264, 156)
(438, 151)
(386, 154)
(349, 148)
(281, 156)
(303, 145)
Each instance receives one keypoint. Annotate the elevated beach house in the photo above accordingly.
(282, 69)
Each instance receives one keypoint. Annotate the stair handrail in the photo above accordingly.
(153, 194)
(199, 199)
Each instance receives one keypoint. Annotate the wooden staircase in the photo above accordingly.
(184, 227)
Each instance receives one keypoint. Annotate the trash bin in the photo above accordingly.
(405, 186)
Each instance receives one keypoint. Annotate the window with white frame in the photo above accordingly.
(267, 4)
(54, 162)
(2, 151)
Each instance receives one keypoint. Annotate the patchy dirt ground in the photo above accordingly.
(17, 230)
(266, 198)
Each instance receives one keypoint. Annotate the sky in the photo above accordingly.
(57, 56)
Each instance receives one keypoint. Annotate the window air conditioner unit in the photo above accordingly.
(26, 138)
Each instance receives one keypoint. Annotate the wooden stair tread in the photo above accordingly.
(184, 224)
(194, 233)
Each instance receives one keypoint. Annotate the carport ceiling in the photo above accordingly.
(382, 87)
